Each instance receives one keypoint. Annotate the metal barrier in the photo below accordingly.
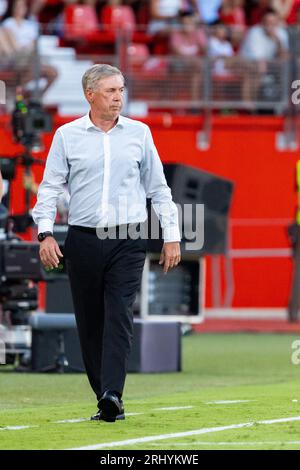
(164, 81)
(192, 83)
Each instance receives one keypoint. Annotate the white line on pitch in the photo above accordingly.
(170, 408)
(16, 428)
(77, 420)
(182, 434)
(249, 443)
(80, 420)
(227, 402)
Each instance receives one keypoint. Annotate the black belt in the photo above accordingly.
(117, 228)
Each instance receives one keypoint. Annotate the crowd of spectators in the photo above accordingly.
(19, 30)
(255, 30)
(252, 28)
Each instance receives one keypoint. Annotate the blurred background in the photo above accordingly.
(214, 80)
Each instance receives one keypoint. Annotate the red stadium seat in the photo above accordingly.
(118, 17)
(121, 18)
(80, 22)
(137, 54)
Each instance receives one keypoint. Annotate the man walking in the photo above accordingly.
(111, 165)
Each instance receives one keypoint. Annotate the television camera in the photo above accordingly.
(20, 265)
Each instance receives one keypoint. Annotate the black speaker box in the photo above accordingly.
(192, 186)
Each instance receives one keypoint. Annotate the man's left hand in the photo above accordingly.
(170, 255)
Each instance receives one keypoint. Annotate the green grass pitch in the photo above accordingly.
(254, 369)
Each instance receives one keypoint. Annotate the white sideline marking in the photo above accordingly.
(182, 434)
(227, 402)
(80, 420)
(249, 443)
(170, 408)
(16, 428)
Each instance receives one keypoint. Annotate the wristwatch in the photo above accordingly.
(41, 236)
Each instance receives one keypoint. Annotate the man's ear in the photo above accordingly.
(89, 94)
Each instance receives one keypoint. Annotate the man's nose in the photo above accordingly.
(118, 96)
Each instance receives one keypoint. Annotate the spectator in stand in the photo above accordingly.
(258, 11)
(263, 43)
(208, 10)
(297, 18)
(164, 13)
(220, 49)
(188, 39)
(287, 9)
(25, 33)
(7, 42)
(3, 8)
(266, 41)
(232, 13)
(15, 20)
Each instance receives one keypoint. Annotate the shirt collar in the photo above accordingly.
(89, 123)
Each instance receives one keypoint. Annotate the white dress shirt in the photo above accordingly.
(109, 175)
(258, 45)
(25, 32)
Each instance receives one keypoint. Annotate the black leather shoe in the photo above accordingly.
(99, 416)
(110, 408)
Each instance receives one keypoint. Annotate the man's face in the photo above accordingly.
(270, 23)
(20, 8)
(188, 24)
(106, 100)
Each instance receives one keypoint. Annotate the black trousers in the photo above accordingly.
(105, 275)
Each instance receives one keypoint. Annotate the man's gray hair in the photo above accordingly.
(95, 73)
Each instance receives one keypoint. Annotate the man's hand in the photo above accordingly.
(49, 253)
(170, 255)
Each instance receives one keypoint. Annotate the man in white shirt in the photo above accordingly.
(266, 41)
(263, 43)
(111, 165)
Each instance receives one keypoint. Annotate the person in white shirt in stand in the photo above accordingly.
(111, 165)
(25, 33)
(220, 49)
(262, 44)
(164, 14)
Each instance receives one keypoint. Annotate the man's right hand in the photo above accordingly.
(50, 253)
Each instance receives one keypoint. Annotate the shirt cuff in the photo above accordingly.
(171, 234)
(45, 225)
